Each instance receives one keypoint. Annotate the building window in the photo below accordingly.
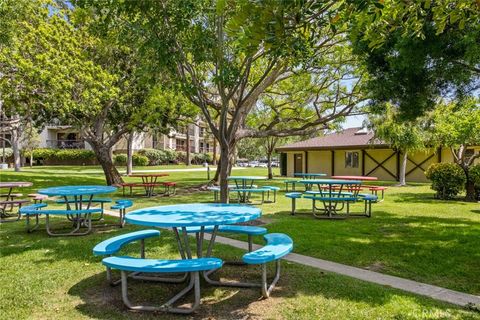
(351, 159)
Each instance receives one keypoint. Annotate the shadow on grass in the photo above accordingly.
(298, 285)
(437, 250)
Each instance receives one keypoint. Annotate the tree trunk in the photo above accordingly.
(130, 153)
(31, 158)
(469, 186)
(214, 160)
(104, 157)
(403, 169)
(223, 172)
(269, 165)
(187, 158)
(15, 140)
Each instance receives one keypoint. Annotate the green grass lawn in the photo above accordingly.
(410, 235)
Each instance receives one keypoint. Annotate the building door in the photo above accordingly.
(298, 163)
(283, 164)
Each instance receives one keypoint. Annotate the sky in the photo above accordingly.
(353, 121)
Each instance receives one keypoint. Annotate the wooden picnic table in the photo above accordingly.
(149, 181)
(9, 198)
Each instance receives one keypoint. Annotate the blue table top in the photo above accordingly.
(309, 174)
(328, 181)
(246, 178)
(193, 215)
(77, 190)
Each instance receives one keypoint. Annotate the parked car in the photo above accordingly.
(275, 164)
(253, 164)
(241, 164)
(262, 165)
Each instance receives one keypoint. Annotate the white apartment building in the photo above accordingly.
(201, 141)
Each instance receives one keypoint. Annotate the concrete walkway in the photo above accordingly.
(423, 289)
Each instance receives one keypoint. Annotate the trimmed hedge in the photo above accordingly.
(157, 157)
(137, 159)
(448, 179)
(63, 156)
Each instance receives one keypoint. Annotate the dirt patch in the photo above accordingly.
(376, 267)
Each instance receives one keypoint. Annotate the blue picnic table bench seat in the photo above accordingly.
(113, 245)
(33, 211)
(126, 263)
(36, 210)
(121, 206)
(326, 198)
(278, 245)
(191, 266)
(294, 196)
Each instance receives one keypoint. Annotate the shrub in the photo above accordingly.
(74, 155)
(139, 160)
(44, 153)
(200, 158)
(120, 159)
(448, 179)
(171, 155)
(181, 156)
(155, 157)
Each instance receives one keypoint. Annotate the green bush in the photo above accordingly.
(475, 176)
(171, 155)
(43, 153)
(139, 160)
(200, 158)
(155, 157)
(74, 154)
(448, 179)
(62, 155)
(181, 157)
(120, 159)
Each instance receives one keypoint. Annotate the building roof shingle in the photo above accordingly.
(352, 137)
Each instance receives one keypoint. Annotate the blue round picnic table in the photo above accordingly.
(192, 215)
(195, 218)
(78, 193)
(331, 192)
(243, 183)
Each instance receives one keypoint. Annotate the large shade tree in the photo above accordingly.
(405, 136)
(418, 52)
(225, 54)
(457, 126)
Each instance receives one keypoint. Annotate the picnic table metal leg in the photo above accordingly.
(194, 283)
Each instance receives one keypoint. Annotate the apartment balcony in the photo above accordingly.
(66, 144)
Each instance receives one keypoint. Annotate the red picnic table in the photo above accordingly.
(149, 182)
